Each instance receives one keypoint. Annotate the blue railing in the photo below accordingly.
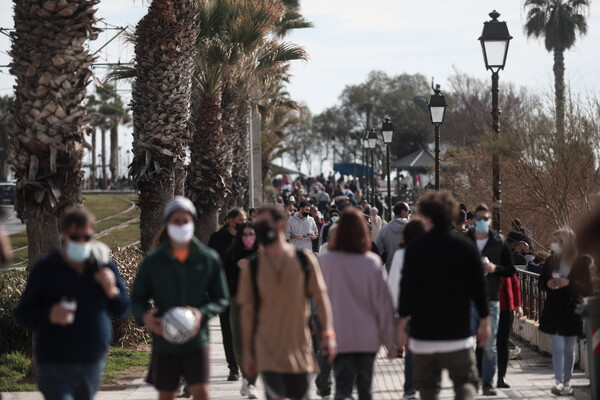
(531, 295)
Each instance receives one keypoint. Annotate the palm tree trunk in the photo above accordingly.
(114, 149)
(104, 184)
(559, 89)
(165, 51)
(94, 169)
(206, 183)
(51, 68)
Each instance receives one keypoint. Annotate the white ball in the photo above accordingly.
(178, 325)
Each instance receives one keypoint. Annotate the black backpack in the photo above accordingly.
(254, 274)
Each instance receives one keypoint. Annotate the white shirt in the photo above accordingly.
(440, 346)
(481, 243)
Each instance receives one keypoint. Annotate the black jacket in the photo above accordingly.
(558, 315)
(442, 274)
(222, 241)
(498, 252)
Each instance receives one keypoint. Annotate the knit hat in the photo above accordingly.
(180, 203)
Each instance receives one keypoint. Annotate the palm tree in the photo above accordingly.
(559, 22)
(6, 126)
(51, 66)
(164, 57)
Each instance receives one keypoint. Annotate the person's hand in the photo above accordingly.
(402, 339)
(108, 281)
(312, 236)
(329, 348)
(152, 322)
(562, 282)
(483, 332)
(392, 354)
(198, 316)
(296, 237)
(60, 315)
(519, 312)
(248, 365)
(489, 267)
(552, 284)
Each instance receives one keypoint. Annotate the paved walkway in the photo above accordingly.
(530, 377)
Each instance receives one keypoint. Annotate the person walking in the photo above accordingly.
(390, 236)
(376, 222)
(67, 303)
(497, 263)
(363, 311)
(301, 228)
(179, 272)
(413, 230)
(510, 304)
(274, 310)
(244, 246)
(567, 279)
(221, 241)
(442, 274)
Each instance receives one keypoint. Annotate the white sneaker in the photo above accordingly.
(568, 390)
(244, 389)
(558, 389)
(252, 392)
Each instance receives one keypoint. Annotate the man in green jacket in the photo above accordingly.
(179, 272)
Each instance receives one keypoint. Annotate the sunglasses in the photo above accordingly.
(80, 238)
(480, 218)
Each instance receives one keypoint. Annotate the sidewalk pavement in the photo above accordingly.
(530, 377)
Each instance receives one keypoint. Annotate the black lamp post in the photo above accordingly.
(372, 138)
(387, 131)
(437, 110)
(494, 44)
(365, 142)
(333, 151)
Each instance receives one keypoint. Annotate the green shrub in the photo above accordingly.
(12, 336)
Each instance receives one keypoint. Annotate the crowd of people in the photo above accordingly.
(314, 284)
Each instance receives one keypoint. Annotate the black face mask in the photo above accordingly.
(264, 233)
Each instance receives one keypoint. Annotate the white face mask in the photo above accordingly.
(556, 248)
(181, 233)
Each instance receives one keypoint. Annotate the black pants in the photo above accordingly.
(351, 368)
(506, 321)
(228, 341)
(323, 379)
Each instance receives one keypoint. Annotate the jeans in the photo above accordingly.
(506, 321)
(351, 368)
(70, 381)
(409, 386)
(563, 357)
(490, 352)
(323, 379)
(461, 368)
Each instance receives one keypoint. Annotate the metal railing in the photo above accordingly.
(531, 296)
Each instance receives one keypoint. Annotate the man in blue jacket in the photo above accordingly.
(69, 296)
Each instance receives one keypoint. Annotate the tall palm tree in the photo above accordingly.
(6, 126)
(559, 22)
(164, 58)
(51, 65)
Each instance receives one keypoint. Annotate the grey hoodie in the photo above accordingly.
(389, 238)
(301, 226)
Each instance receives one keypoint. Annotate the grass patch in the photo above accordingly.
(109, 223)
(18, 240)
(12, 370)
(120, 360)
(122, 237)
(14, 365)
(105, 205)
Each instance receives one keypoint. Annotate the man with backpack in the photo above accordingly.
(274, 292)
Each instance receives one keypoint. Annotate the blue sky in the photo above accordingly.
(353, 37)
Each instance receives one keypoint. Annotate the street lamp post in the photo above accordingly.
(437, 110)
(387, 131)
(494, 44)
(372, 145)
(365, 142)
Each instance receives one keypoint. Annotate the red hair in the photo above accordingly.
(352, 233)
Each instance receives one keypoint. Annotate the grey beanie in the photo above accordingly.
(180, 203)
